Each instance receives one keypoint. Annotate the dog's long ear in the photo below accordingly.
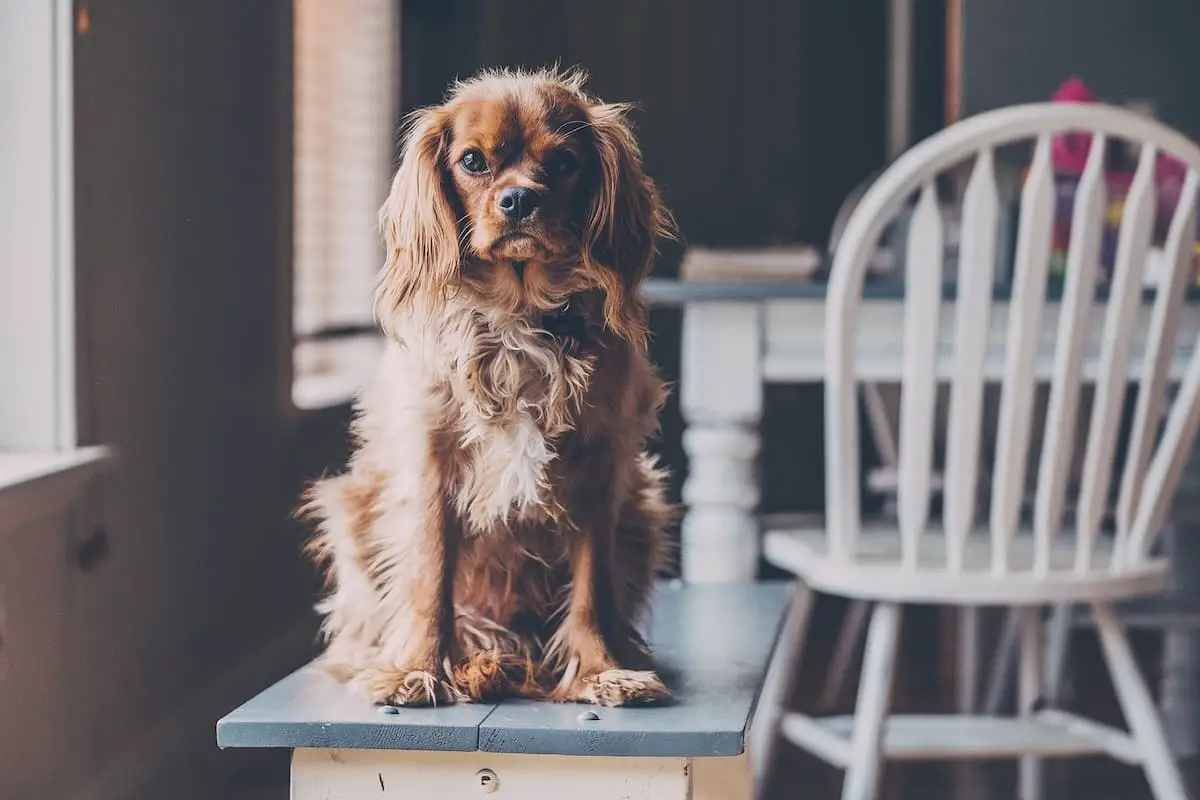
(625, 219)
(418, 222)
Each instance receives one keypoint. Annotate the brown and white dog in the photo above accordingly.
(500, 523)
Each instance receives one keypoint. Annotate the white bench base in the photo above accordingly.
(319, 774)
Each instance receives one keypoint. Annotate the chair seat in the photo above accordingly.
(876, 573)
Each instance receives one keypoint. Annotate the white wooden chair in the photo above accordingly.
(961, 560)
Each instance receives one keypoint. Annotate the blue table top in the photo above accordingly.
(711, 644)
(668, 292)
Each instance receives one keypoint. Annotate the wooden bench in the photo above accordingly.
(712, 644)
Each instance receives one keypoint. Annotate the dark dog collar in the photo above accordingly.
(567, 325)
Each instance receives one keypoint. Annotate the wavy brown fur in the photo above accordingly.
(499, 525)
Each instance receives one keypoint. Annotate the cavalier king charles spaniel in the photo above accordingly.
(500, 523)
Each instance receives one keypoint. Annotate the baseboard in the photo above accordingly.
(178, 758)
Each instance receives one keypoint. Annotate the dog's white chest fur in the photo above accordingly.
(505, 411)
(504, 472)
(517, 399)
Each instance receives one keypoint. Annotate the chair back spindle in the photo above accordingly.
(1083, 261)
(980, 221)
(1031, 266)
(922, 301)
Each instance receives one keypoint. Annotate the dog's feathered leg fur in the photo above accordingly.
(403, 651)
(605, 658)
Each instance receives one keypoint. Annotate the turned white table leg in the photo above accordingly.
(721, 398)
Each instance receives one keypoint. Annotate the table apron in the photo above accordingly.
(794, 341)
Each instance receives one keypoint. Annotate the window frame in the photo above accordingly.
(37, 237)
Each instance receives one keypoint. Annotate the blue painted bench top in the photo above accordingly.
(711, 643)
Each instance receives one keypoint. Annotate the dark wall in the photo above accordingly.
(183, 208)
(1019, 51)
(756, 118)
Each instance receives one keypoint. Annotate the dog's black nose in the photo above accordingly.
(517, 202)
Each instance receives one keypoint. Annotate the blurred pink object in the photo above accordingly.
(1074, 90)
(1169, 173)
(1070, 151)
(1169, 168)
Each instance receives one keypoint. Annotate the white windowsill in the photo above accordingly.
(327, 390)
(35, 485)
(331, 373)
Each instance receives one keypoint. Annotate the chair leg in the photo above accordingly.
(874, 697)
(778, 684)
(1029, 690)
(1003, 662)
(1141, 714)
(1057, 640)
(844, 649)
(1058, 637)
(967, 687)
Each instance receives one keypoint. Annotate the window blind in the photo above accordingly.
(347, 65)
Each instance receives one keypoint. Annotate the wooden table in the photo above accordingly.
(739, 336)
(712, 644)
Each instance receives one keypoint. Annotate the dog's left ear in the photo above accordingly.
(625, 219)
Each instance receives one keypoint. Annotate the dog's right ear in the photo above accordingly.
(419, 229)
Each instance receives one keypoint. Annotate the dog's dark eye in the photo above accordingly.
(563, 163)
(473, 162)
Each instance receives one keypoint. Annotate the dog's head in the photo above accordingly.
(520, 192)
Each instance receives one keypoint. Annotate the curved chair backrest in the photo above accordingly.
(1153, 462)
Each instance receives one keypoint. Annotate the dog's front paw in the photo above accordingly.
(614, 687)
(401, 686)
